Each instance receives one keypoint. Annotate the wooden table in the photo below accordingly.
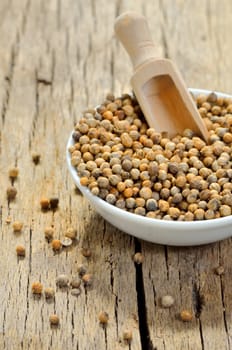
(58, 57)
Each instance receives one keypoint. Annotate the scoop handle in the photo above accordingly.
(132, 30)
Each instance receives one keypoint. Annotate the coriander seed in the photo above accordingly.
(54, 201)
(71, 233)
(138, 258)
(54, 320)
(220, 270)
(62, 280)
(49, 232)
(13, 173)
(127, 335)
(103, 317)
(56, 245)
(75, 282)
(87, 279)
(186, 315)
(17, 226)
(37, 288)
(11, 193)
(20, 250)
(167, 301)
(49, 293)
(44, 203)
(66, 242)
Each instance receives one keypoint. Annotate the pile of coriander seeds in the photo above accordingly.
(133, 167)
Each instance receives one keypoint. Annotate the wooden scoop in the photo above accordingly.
(158, 86)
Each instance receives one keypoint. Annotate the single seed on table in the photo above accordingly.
(49, 232)
(138, 258)
(66, 242)
(36, 158)
(44, 203)
(87, 279)
(71, 233)
(13, 173)
(75, 282)
(62, 280)
(81, 269)
(86, 252)
(186, 315)
(167, 301)
(127, 335)
(103, 317)
(56, 244)
(220, 270)
(54, 320)
(49, 292)
(20, 250)
(11, 193)
(8, 220)
(75, 292)
(37, 288)
(54, 201)
(17, 226)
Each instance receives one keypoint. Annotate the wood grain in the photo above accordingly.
(58, 58)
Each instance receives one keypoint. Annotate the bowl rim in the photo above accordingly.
(182, 225)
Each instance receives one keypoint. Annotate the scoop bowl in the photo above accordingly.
(174, 233)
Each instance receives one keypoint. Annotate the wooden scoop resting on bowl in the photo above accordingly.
(158, 86)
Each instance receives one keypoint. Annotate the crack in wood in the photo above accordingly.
(146, 343)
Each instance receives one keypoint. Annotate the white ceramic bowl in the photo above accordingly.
(176, 233)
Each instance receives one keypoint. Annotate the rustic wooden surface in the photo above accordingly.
(58, 57)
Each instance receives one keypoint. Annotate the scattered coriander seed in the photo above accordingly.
(17, 226)
(54, 201)
(71, 233)
(49, 292)
(127, 335)
(167, 301)
(138, 258)
(49, 232)
(75, 282)
(62, 280)
(36, 158)
(66, 242)
(44, 203)
(20, 250)
(220, 270)
(86, 252)
(13, 173)
(87, 279)
(76, 292)
(103, 317)
(11, 193)
(54, 320)
(37, 288)
(186, 315)
(82, 269)
(8, 220)
(56, 244)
